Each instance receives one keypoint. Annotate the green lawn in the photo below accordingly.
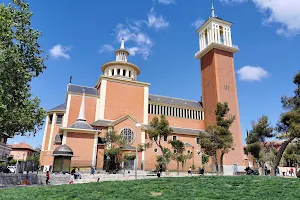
(239, 187)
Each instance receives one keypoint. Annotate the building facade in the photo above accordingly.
(21, 151)
(119, 101)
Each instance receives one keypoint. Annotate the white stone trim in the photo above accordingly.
(66, 116)
(95, 149)
(45, 132)
(146, 102)
(97, 109)
(102, 99)
(51, 132)
(64, 140)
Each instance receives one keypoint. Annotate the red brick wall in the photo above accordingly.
(123, 99)
(90, 108)
(82, 146)
(219, 85)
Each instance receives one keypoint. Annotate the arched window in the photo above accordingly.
(127, 135)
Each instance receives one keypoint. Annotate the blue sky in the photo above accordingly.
(80, 36)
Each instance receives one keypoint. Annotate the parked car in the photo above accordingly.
(12, 169)
(4, 169)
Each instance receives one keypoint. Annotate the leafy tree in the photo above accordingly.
(224, 134)
(21, 60)
(205, 159)
(179, 155)
(209, 141)
(261, 130)
(292, 153)
(289, 124)
(160, 129)
(159, 159)
(218, 137)
(113, 148)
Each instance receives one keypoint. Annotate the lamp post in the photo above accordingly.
(136, 149)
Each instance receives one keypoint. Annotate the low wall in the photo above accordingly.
(18, 179)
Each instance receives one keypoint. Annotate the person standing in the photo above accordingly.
(292, 171)
(92, 170)
(190, 171)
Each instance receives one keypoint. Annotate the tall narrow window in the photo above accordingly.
(124, 72)
(165, 138)
(197, 140)
(129, 73)
(149, 108)
(50, 119)
(112, 72)
(59, 119)
(174, 137)
(118, 71)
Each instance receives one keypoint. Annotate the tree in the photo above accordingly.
(205, 159)
(289, 124)
(159, 130)
(21, 60)
(225, 135)
(292, 154)
(218, 137)
(209, 142)
(256, 139)
(178, 154)
(113, 148)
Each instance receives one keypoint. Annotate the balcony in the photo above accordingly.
(221, 46)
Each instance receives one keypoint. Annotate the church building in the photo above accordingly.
(121, 102)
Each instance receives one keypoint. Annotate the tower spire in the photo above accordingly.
(122, 53)
(212, 10)
(81, 116)
(122, 44)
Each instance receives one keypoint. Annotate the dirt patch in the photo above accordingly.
(156, 194)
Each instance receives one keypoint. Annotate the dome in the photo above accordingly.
(121, 68)
(63, 150)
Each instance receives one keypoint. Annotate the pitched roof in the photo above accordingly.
(81, 125)
(22, 146)
(80, 89)
(174, 101)
(101, 123)
(60, 107)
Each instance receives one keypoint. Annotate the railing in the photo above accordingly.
(233, 46)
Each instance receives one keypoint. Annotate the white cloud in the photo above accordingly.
(157, 22)
(166, 2)
(58, 51)
(133, 34)
(198, 23)
(106, 48)
(250, 73)
(284, 12)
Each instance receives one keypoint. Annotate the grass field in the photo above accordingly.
(239, 187)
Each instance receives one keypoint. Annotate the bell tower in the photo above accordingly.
(218, 79)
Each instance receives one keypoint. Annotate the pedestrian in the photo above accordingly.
(92, 170)
(292, 172)
(266, 170)
(190, 171)
(71, 181)
(47, 178)
(277, 171)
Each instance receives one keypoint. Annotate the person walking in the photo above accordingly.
(47, 177)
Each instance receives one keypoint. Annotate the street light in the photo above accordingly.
(136, 148)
